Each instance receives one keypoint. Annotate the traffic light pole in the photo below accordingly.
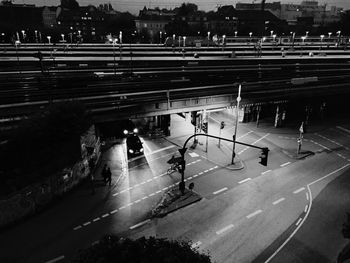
(184, 149)
(235, 135)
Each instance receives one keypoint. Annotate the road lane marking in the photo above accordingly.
(226, 228)
(145, 197)
(244, 135)
(137, 201)
(307, 196)
(114, 211)
(115, 194)
(96, 219)
(194, 176)
(159, 191)
(298, 222)
(245, 180)
(299, 190)
(307, 213)
(278, 201)
(149, 180)
(306, 207)
(130, 204)
(343, 129)
(164, 188)
(189, 178)
(254, 214)
(160, 150)
(87, 223)
(122, 207)
(200, 173)
(55, 259)
(246, 148)
(219, 191)
(266, 172)
(77, 227)
(284, 164)
(140, 224)
(195, 245)
(205, 171)
(193, 154)
(105, 215)
(152, 194)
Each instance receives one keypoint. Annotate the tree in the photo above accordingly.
(147, 250)
(187, 9)
(70, 4)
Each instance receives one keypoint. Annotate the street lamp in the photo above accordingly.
(114, 41)
(36, 36)
(321, 36)
(329, 34)
(306, 33)
(17, 43)
(274, 38)
(62, 35)
(120, 37)
(184, 41)
(3, 37)
(208, 38)
(271, 32)
(250, 36)
(303, 39)
(235, 135)
(223, 42)
(236, 32)
(23, 34)
(49, 39)
(160, 37)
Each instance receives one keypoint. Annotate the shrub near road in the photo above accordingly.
(145, 250)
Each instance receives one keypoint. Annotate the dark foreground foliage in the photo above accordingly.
(143, 250)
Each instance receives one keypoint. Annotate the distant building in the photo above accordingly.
(49, 15)
(87, 21)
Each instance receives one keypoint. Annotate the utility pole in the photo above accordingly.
(235, 135)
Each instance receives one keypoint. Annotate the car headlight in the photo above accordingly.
(131, 151)
(141, 150)
(125, 132)
(136, 130)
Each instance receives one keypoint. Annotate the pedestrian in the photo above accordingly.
(104, 173)
(109, 176)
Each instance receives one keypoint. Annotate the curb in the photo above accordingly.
(300, 156)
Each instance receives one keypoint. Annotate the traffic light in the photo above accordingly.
(263, 156)
(222, 125)
(194, 117)
(205, 127)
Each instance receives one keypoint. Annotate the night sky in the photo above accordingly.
(134, 6)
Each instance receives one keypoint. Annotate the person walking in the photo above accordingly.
(108, 176)
(104, 173)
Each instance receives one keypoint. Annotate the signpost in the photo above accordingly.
(300, 139)
(235, 135)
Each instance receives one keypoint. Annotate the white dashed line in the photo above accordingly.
(159, 191)
(151, 194)
(194, 176)
(197, 244)
(149, 180)
(77, 227)
(105, 215)
(165, 188)
(306, 207)
(245, 180)
(307, 196)
(278, 201)
(206, 171)
(137, 201)
(254, 214)
(55, 259)
(266, 172)
(145, 197)
(284, 164)
(298, 222)
(130, 204)
(193, 154)
(115, 194)
(96, 219)
(140, 224)
(219, 191)
(87, 223)
(114, 211)
(226, 228)
(299, 190)
(200, 173)
(189, 178)
(122, 207)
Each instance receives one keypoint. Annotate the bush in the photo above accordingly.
(151, 250)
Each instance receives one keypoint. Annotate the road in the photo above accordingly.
(242, 211)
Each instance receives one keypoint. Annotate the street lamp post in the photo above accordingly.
(271, 32)
(235, 135)
(160, 37)
(62, 35)
(306, 33)
(302, 45)
(208, 38)
(223, 42)
(184, 41)
(329, 34)
(24, 35)
(36, 36)
(321, 36)
(114, 41)
(49, 39)
(236, 33)
(250, 36)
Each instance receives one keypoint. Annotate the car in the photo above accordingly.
(129, 128)
(134, 146)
